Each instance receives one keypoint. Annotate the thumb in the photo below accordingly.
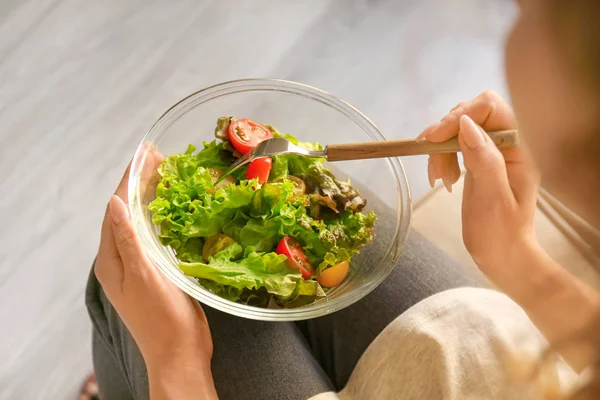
(126, 240)
(483, 160)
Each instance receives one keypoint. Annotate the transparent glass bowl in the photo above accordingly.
(313, 116)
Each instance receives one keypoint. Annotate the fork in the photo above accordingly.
(366, 150)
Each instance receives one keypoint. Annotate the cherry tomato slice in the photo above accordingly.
(259, 168)
(290, 247)
(245, 134)
(335, 275)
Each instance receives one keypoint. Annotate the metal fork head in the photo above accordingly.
(269, 148)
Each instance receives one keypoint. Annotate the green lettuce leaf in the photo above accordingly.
(319, 180)
(227, 292)
(253, 271)
(187, 204)
(189, 210)
(191, 251)
(291, 164)
(306, 292)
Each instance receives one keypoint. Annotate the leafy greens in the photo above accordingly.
(189, 208)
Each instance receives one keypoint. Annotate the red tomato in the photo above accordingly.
(245, 134)
(290, 247)
(259, 168)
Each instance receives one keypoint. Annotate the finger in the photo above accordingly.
(158, 157)
(108, 267)
(122, 187)
(431, 173)
(523, 175)
(427, 131)
(152, 159)
(459, 105)
(488, 110)
(445, 166)
(149, 175)
(483, 161)
(126, 240)
(450, 170)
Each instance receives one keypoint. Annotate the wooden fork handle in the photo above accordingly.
(410, 147)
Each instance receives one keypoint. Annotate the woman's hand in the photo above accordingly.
(499, 201)
(168, 326)
(500, 187)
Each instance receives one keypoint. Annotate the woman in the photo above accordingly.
(428, 335)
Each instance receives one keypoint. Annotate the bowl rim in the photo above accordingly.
(312, 310)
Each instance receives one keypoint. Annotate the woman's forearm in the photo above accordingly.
(181, 380)
(559, 304)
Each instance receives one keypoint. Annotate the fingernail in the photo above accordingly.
(431, 174)
(431, 181)
(448, 185)
(472, 134)
(426, 132)
(421, 138)
(118, 210)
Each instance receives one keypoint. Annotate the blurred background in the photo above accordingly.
(81, 81)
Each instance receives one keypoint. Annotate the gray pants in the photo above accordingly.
(268, 360)
(275, 360)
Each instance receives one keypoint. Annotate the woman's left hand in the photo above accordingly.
(168, 326)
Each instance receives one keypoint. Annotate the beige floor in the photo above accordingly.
(569, 240)
(80, 81)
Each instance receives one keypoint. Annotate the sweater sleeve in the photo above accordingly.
(456, 345)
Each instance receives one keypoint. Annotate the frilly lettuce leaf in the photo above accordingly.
(291, 164)
(253, 271)
(319, 180)
(187, 204)
(189, 210)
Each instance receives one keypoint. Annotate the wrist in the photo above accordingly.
(562, 307)
(178, 360)
(542, 283)
(177, 352)
(181, 377)
(535, 275)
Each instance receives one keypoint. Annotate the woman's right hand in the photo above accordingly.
(499, 200)
(500, 187)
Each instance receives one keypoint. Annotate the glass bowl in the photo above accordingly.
(313, 116)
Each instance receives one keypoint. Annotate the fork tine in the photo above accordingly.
(269, 148)
(238, 163)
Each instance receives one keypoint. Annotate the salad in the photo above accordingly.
(278, 233)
